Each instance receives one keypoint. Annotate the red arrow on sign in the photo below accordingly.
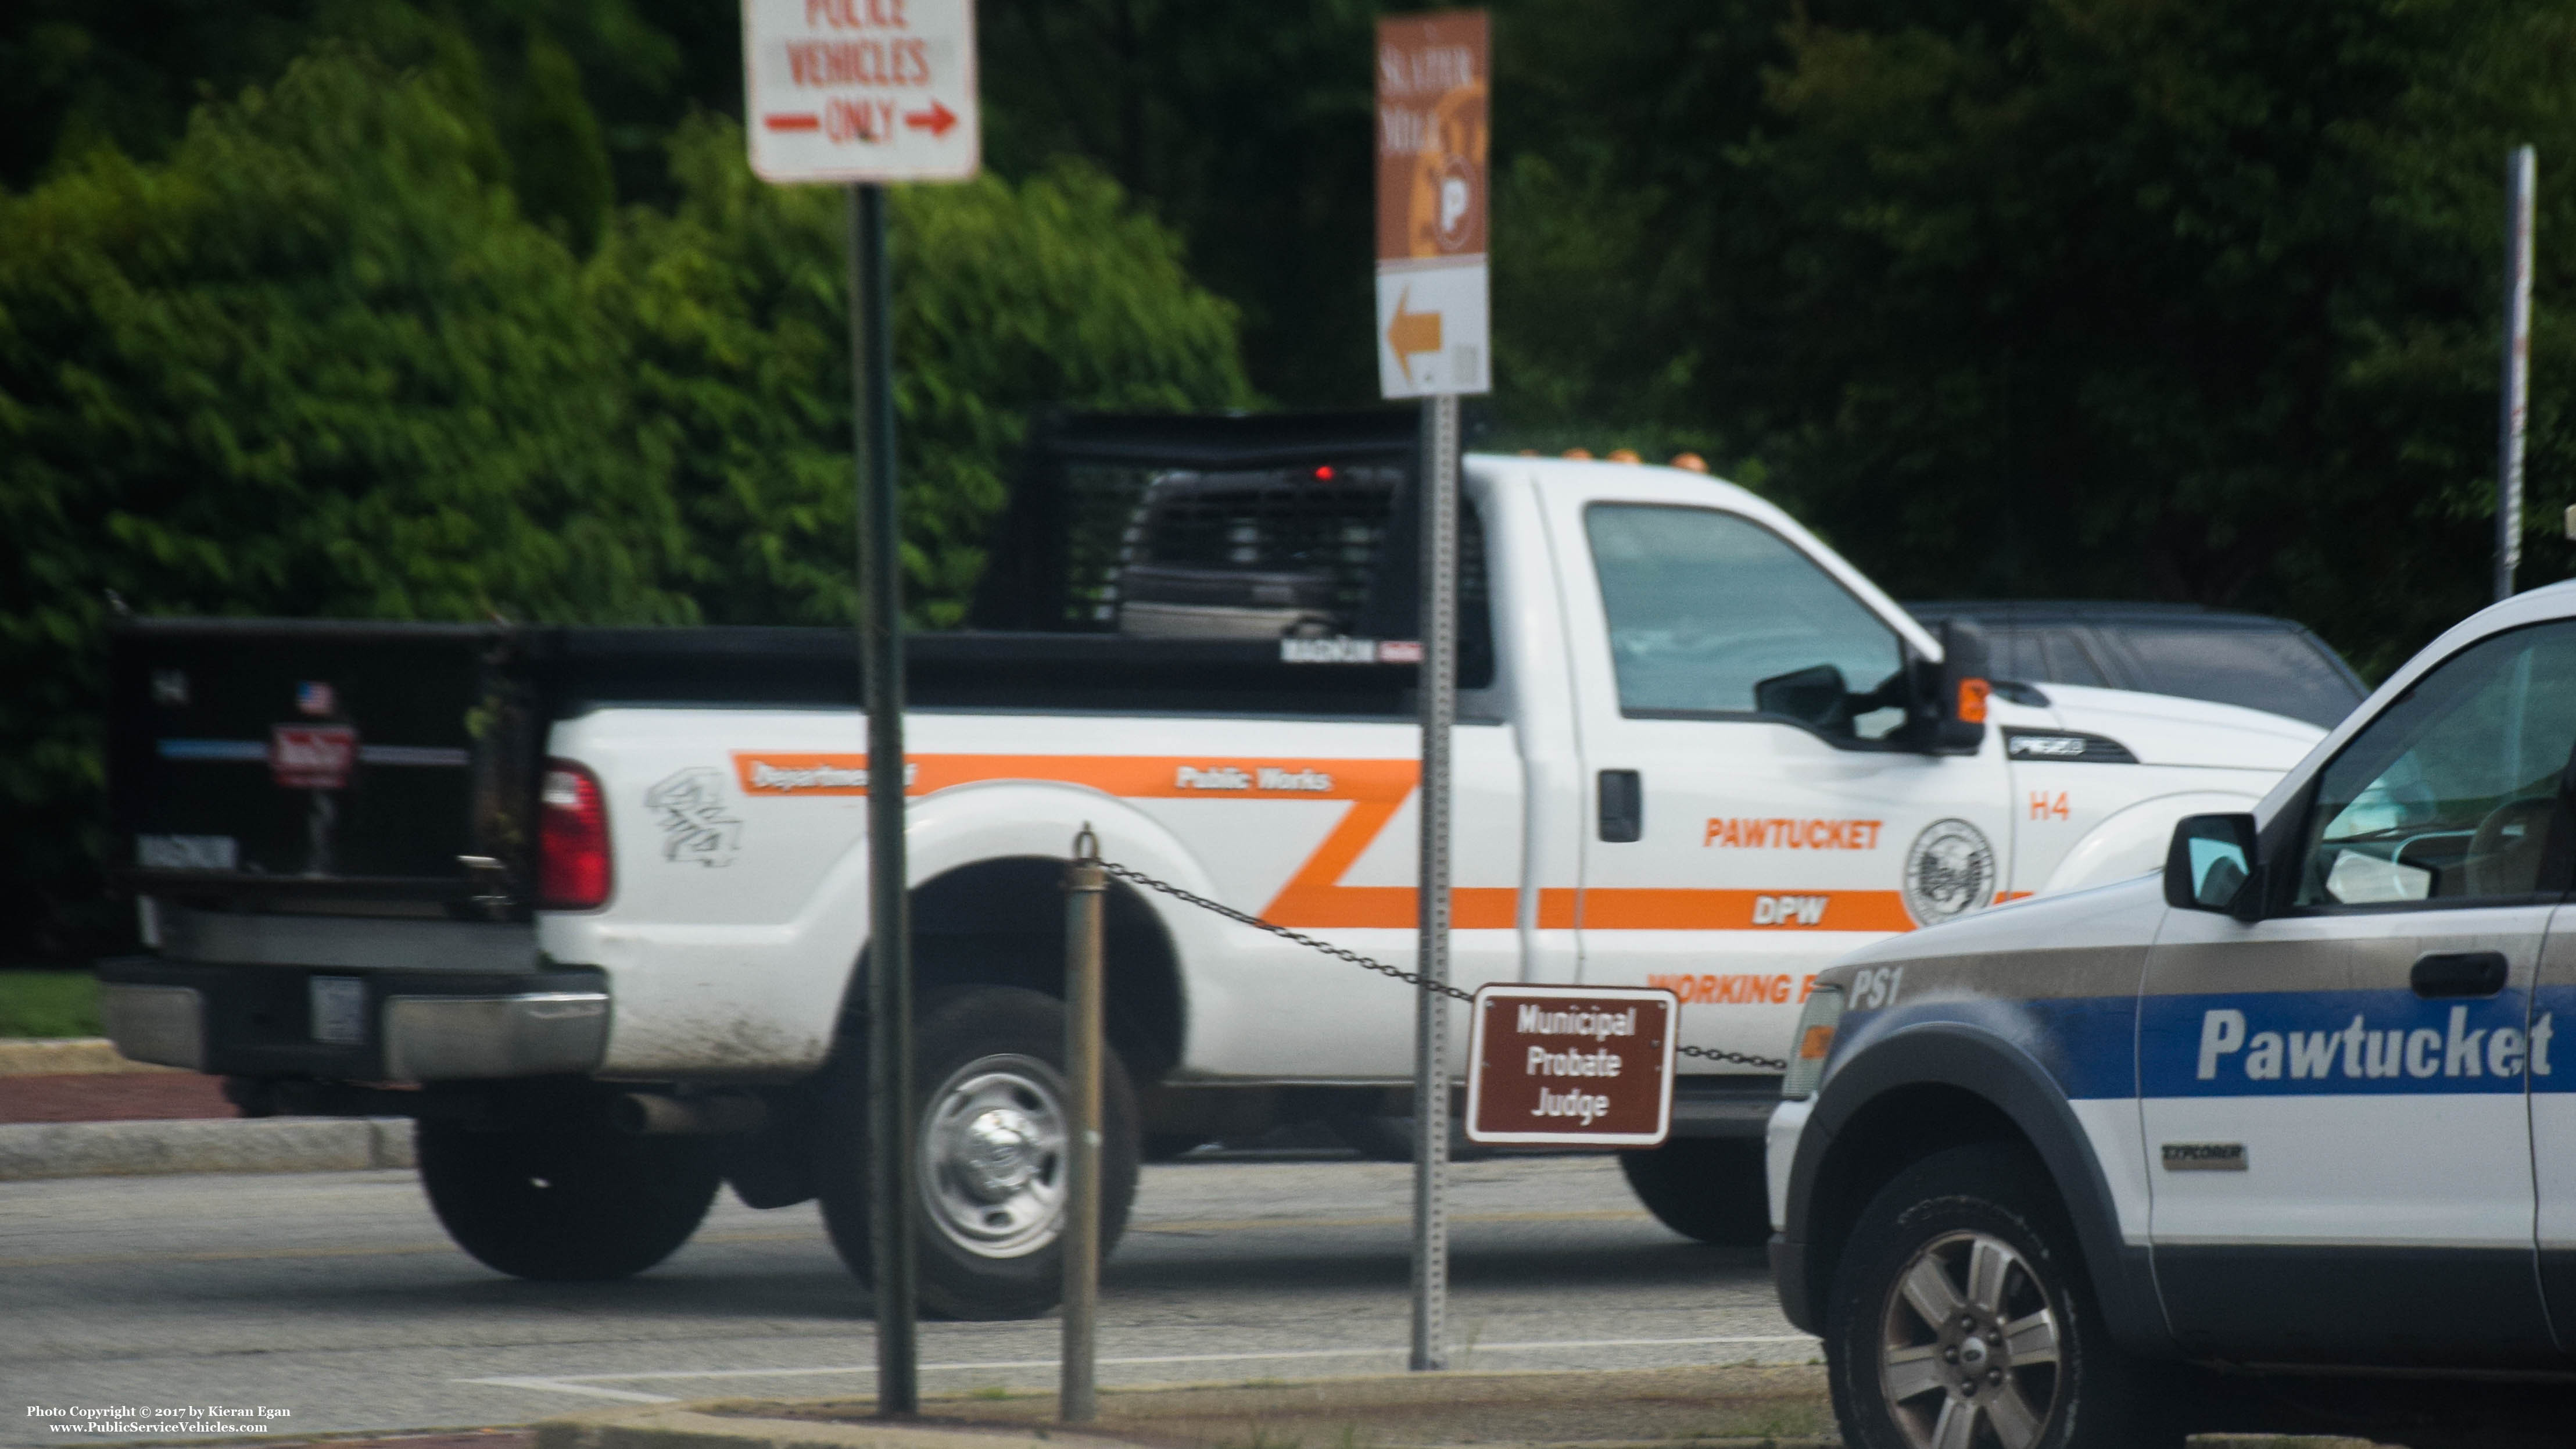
(936, 120)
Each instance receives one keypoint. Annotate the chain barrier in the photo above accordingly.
(1410, 978)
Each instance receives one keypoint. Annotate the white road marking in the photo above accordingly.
(593, 1384)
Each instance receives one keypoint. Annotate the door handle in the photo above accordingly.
(1622, 806)
(2458, 973)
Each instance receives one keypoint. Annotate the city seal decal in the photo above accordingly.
(1949, 871)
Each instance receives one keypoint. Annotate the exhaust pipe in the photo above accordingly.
(650, 1114)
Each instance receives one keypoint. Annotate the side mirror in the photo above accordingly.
(1951, 699)
(2212, 865)
(1818, 695)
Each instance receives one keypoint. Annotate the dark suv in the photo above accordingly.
(2179, 649)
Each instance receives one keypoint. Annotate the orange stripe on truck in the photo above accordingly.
(1615, 908)
(1315, 898)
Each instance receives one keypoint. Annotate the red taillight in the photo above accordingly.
(573, 871)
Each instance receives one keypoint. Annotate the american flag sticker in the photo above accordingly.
(314, 697)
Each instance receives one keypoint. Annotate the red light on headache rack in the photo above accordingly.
(1324, 474)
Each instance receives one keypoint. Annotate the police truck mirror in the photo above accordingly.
(1950, 702)
(2211, 865)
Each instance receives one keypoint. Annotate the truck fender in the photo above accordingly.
(992, 820)
(2131, 841)
(1969, 1059)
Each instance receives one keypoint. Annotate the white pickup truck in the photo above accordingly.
(589, 904)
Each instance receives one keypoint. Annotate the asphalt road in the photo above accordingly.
(336, 1298)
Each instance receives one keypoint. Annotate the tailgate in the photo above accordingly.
(262, 761)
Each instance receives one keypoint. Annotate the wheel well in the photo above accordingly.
(1888, 1135)
(1001, 923)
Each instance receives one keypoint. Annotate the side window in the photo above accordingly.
(2453, 791)
(1714, 614)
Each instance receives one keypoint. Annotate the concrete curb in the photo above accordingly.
(663, 1427)
(266, 1144)
(65, 1056)
(682, 1427)
(1702, 1407)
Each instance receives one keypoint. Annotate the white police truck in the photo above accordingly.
(2279, 1138)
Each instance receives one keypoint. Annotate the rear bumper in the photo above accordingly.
(389, 1026)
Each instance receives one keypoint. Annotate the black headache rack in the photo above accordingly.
(1257, 527)
(1186, 565)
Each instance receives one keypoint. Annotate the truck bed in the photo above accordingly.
(449, 721)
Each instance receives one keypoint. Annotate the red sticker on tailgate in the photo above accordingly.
(312, 757)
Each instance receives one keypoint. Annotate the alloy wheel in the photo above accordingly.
(1968, 1354)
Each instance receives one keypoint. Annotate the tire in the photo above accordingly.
(1975, 1238)
(989, 1073)
(1709, 1189)
(565, 1206)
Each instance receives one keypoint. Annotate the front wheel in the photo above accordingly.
(1959, 1319)
(1710, 1189)
(989, 1154)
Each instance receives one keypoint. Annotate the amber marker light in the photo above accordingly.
(1690, 462)
(1580, 454)
(1624, 455)
(1972, 700)
(1815, 1042)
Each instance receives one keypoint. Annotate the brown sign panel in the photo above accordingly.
(1571, 1066)
(1433, 91)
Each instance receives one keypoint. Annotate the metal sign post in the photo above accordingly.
(1439, 699)
(2521, 173)
(892, 1199)
(865, 92)
(1433, 80)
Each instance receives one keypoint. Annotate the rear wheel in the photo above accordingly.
(565, 1205)
(1710, 1189)
(989, 1155)
(1960, 1319)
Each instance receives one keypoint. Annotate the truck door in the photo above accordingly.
(2552, 1084)
(1752, 816)
(2335, 1097)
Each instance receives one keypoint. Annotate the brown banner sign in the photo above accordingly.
(1571, 1066)
(1434, 96)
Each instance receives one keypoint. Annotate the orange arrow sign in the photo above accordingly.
(1412, 332)
(936, 120)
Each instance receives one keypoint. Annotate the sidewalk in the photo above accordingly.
(76, 1109)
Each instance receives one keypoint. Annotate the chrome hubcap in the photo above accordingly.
(1968, 1347)
(992, 1157)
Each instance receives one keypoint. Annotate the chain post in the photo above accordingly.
(1086, 885)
